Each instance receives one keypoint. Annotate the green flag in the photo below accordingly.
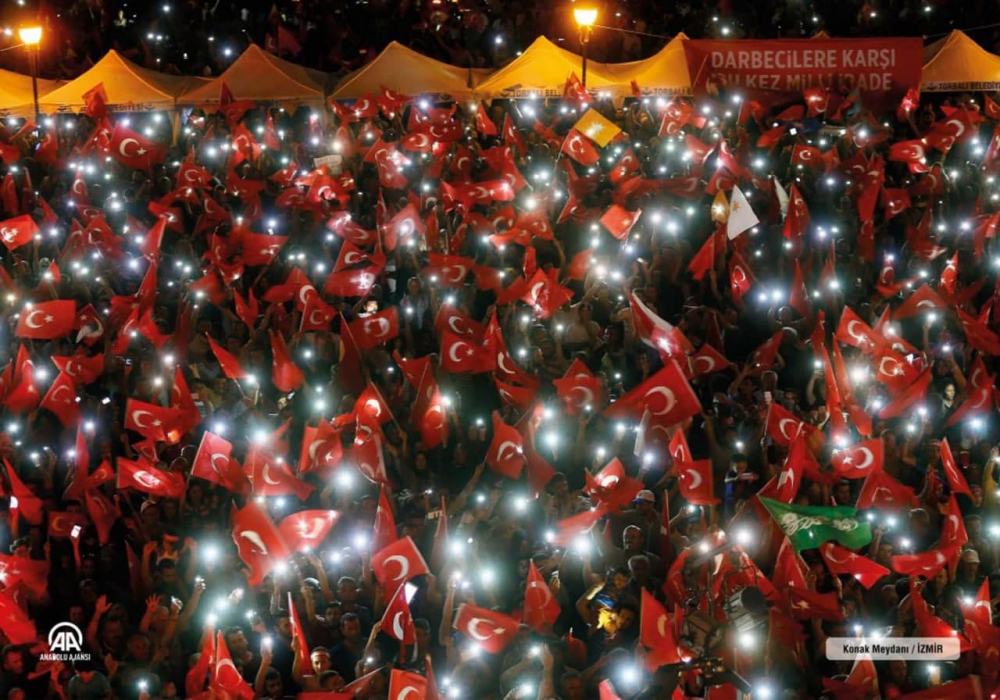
(807, 527)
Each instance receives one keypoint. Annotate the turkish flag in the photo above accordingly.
(142, 476)
(912, 394)
(894, 371)
(668, 340)
(657, 633)
(882, 491)
(913, 153)
(61, 400)
(840, 560)
(783, 426)
(579, 389)
(485, 125)
(350, 254)
(317, 315)
(406, 227)
(858, 461)
(979, 401)
(18, 231)
(46, 320)
(459, 323)
(352, 283)
(307, 529)
(62, 524)
(741, 277)
(789, 568)
(102, 512)
(666, 395)
(704, 260)
(397, 621)
(229, 364)
(367, 452)
(285, 374)
(797, 219)
(373, 331)
(569, 529)
(447, 270)
(707, 360)
(433, 422)
(402, 683)
(490, 630)
(30, 505)
(298, 633)
(953, 533)
(540, 607)
(924, 300)
(512, 137)
(619, 221)
(579, 148)
(321, 449)
(956, 480)
(248, 309)
(258, 541)
(397, 563)
(226, 681)
(505, 454)
(695, 481)
(925, 564)
(810, 605)
(764, 357)
(372, 405)
(390, 169)
(928, 624)
(854, 332)
(214, 462)
(459, 355)
(133, 150)
(269, 478)
(149, 420)
(809, 156)
(798, 297)
(611, 487)
(384, 531)
(15, 623)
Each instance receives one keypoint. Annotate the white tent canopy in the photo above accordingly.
(262, 77)
(407, 72)
(130, 88)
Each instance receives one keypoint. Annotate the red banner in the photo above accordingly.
(882, 69)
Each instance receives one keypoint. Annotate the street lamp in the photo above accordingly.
(31, 37)
(585, 18)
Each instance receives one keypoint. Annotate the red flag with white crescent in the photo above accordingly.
(492, 631)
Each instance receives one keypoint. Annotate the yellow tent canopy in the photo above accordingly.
(16, 97)
(405, 71)
(130, 88)
(262, 77)
(958, 63)
(541, 71)
(663, 73)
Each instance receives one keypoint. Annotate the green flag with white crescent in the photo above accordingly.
(807, 527)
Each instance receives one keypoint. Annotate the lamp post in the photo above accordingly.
(31, 37)
(585, 18)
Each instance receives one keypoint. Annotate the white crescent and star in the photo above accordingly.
(668, 396)
(404, 566)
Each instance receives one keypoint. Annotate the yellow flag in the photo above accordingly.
(596, 128)
(720, 207)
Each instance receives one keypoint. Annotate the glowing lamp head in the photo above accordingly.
(585, 16)
(32, 36)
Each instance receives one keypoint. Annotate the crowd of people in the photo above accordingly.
(489, 401)
(202, 37)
